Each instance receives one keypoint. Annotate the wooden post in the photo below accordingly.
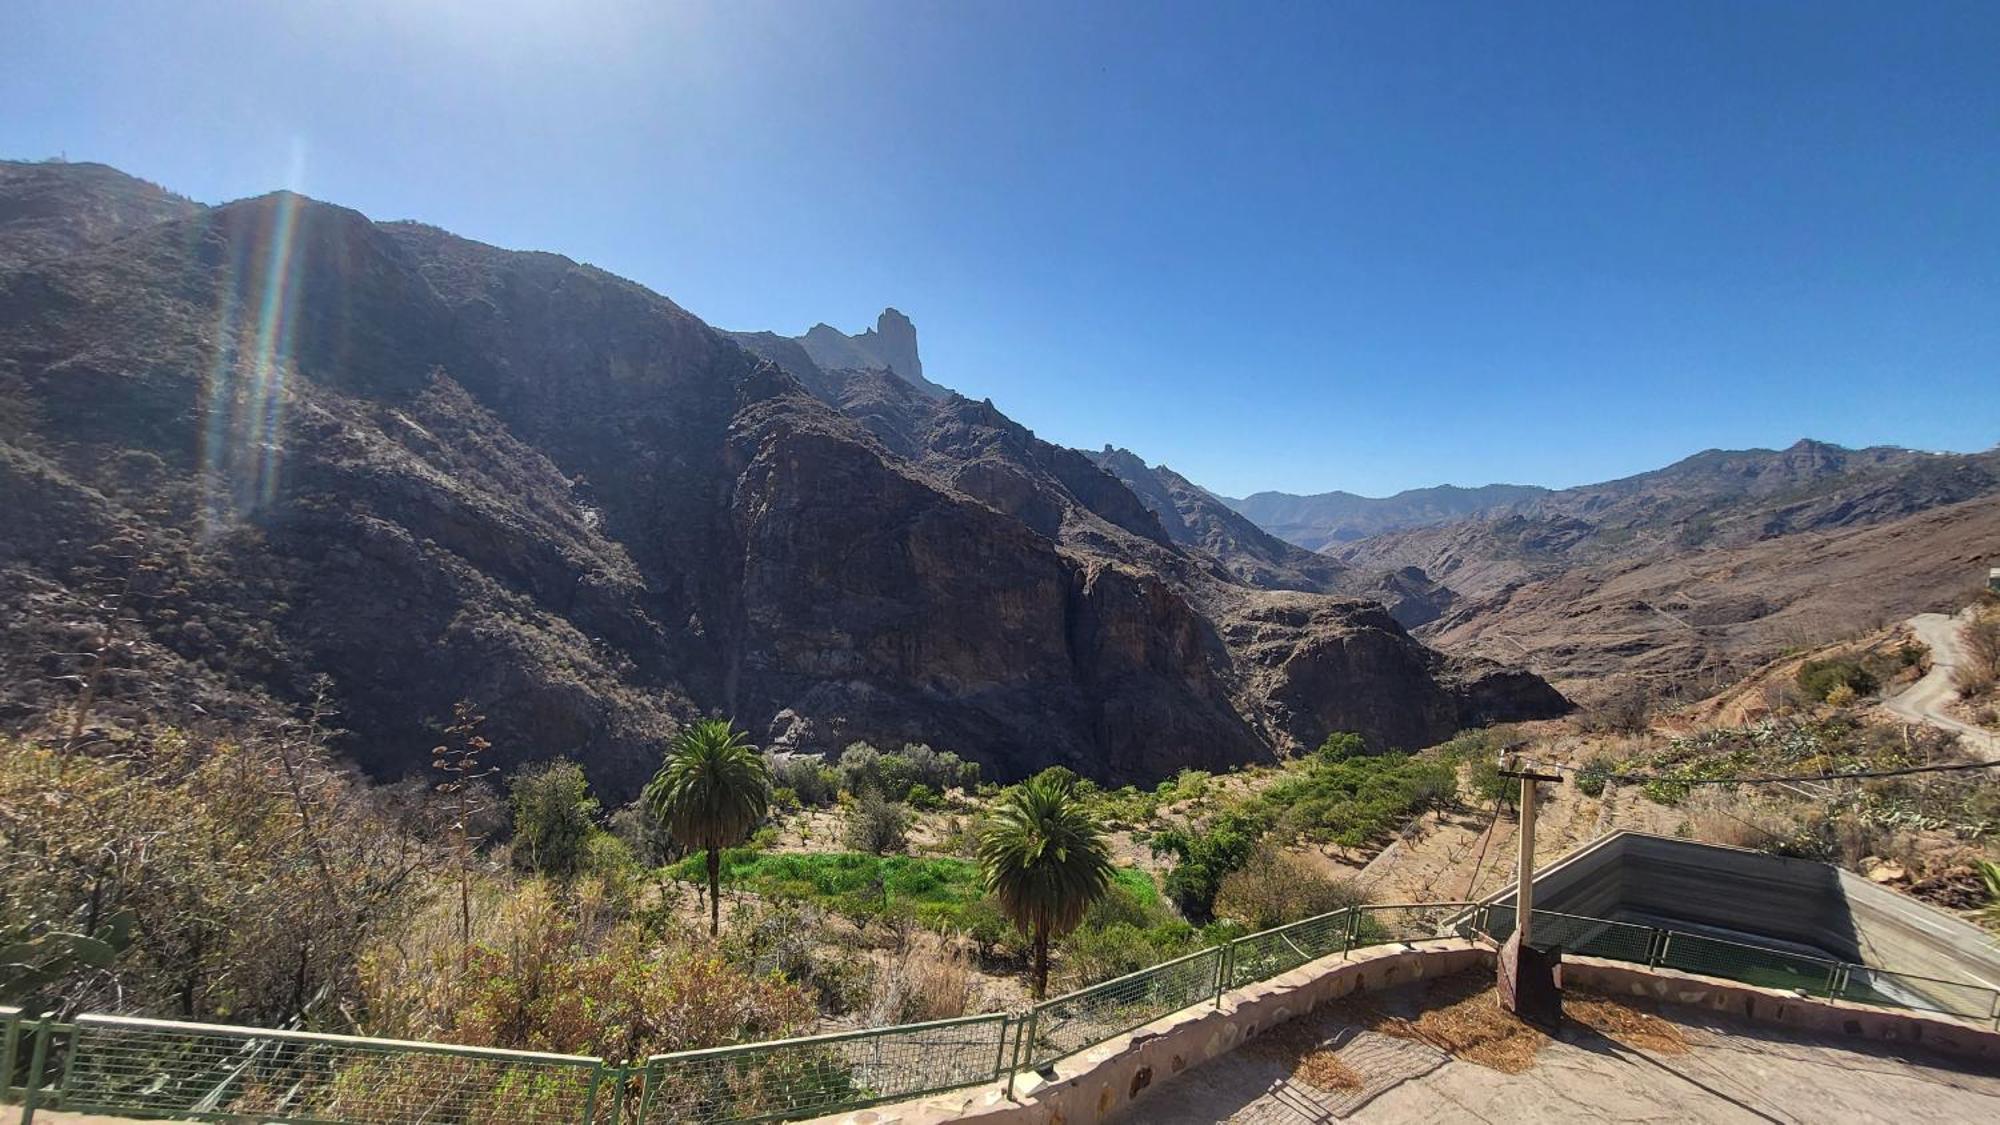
(1524, 888)
(1527, 975)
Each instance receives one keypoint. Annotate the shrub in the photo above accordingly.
(1591, 779)
(538, 982)
(223, 879)
(1357, 800)
(1275, 887)
(1488, 786)
(1971, 680)
(1819, 678)
(924, 798)
(554, 816)
(1203, 857)
(813, 783)
(1624, 710)
(876, 824)
(1341, 744)
(894, 773)
(929, 977)
(1981, 638)
(644, 835)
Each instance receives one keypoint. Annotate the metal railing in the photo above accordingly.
(160, 1068)
(817, 1074)
(1070, 1022)
(1762, 965)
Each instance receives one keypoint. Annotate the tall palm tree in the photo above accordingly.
(710, 792)
(1046, 859)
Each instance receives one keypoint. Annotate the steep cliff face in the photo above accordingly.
(434, 470)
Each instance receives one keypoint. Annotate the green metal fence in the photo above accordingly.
(158, 1068)
(1925, 994)
(819, 1074)
(1760, 965)
(1071, 1022)
(1264, 955)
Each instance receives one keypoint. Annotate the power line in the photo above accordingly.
(1485, 838)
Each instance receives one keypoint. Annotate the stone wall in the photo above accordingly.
(1093, 1085)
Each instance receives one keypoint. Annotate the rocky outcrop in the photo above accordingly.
(440, 471)
(889, 346)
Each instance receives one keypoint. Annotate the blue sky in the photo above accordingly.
(1292, 246)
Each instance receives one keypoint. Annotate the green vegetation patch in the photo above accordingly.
(941, 892)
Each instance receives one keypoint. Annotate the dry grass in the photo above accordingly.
(1622, 1021)
(1301, 1046)
(925, 976)
(1461, 1016)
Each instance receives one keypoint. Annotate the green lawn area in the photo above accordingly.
(938, 891)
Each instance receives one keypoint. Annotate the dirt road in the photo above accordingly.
(1924, 701)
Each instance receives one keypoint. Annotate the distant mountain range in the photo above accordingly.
(1688, 574)
(1327, 519)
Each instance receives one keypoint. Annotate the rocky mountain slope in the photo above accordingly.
(1687, 574)
(273, 440)
(1719, 498)
(1195, 517)
(1683, 624)
(1325, 520)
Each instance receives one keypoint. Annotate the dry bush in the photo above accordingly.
(1276, 887)
(1461, 1016)
(1716, 816)
(1981, 638)
(1626, 709)
(1972, 680)
(252, 871)
(1303, 1046)
(927, 976)
(538, 980)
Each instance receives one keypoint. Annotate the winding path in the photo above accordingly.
(1924, 701)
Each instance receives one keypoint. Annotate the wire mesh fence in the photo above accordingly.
(1576, 933)
(157, 1068)
(1751, 964)
(1404, 921)
(1070, 1023)
(1925, 994)
(1261, 956)
(821, 1074)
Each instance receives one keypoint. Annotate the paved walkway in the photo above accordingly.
(1731, 1072)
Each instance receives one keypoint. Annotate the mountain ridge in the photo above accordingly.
(435, 470)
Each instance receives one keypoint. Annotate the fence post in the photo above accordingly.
(1353, 927)
(1000, 1054)
(1661, 938)
(38, 1061)
(590, 1095)
(1225, 969)
(1023, 1044)
(10, 1042)
(648, 1090)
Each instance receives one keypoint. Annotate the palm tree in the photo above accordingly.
(710, 792)
(1046, 859)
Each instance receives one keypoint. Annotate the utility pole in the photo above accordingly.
(1527, 974)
